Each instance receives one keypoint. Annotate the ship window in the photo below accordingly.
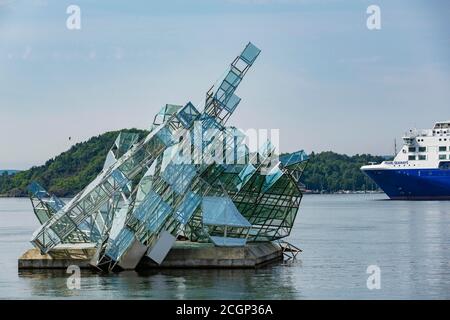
(412, 149)
(422, 149)
(422, 157)
(442, 148)
(411, 157)
(442, 157)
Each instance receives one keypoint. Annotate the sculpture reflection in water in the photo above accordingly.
(274, 282)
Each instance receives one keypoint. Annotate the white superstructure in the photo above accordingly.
(422, 149)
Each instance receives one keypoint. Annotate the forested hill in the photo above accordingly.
(69, 172)
(332, 172)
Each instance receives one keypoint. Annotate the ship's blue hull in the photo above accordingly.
(413, 184)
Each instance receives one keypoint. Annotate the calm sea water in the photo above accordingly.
(341, 235)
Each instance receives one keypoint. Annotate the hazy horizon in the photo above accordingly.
(323, 78)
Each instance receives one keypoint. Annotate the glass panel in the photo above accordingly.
(271, 178)
(221, 211)
(42, 216)
(119, 177)
(292, 158)
(165, 113)
(118, 222)
(245, 175)
(119, 245)
(124, 142)
(165, 136)
(232, 78)
(232, 103)
(228, 242)
(190, 203)
(250, 53)
(158, 216)
(220, 95)
(143, 211)
(37, 190)
(225, 86)
(187, 115)
(50, 235)
(179, 176)
(55, 203)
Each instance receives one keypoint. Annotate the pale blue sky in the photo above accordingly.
(323, 78)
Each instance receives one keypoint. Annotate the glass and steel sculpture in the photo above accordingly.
(188, 178)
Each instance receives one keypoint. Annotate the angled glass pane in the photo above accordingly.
(165, 113)
(232, 103)
(228, 242)
(221, 95)
(42, 215)
(221, 211)
(118, 222)
(190, 203)
(293, 158)
(232, 168)
(124, 142)
(246, 172)
(119, 177)
(55, 203)
(144, 210)
(233, 78)
(165, 136)
(250, 53)
(179, 176)
(110, 159)
(187, 115)
(118, 246)
(158, 216)
(37, 190)
(271, 178)
(225, 86)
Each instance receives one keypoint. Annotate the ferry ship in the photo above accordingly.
(421, 170)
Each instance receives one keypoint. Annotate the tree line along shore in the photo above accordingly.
(68, 173)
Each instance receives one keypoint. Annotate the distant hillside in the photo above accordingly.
(68, 173)
(331, 172)
(2, 172)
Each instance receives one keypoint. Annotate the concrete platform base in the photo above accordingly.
(183, 255)
(60, 257)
